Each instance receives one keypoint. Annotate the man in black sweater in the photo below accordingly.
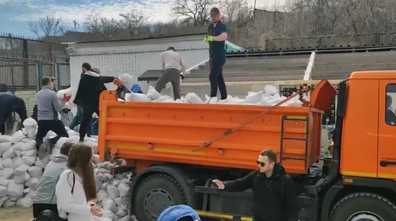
(88, 93)
(274, 197)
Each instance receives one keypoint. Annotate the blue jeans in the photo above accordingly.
(77, 120)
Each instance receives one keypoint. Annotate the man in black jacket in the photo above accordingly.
(274, 197)
(10, 103)
(88, 93)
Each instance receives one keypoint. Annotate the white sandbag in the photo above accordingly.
(30, 192)
(17, 136)
(4, 182)
(6, 173)
(35, 172)
(125, 218)
(4, 146)
(123, 189)
(109, 204)
(55, 151)
(7, 163)
(254, 98)
(62, 93)
(3, 199)
(113, 192)
(270, 89)
(193, 98)
(102, 195)
(21, 170)
(137, 97)
(109, 215)
(32, 183)
(25, 202)
(5, 138)
(1, 164)
(43, 162)
(164, 98)
(20, 179)
(26, 146)
(121, 213)
(9, 153)
(17, 161)
(152, 93)
(28, 160)
(3, 191)
(14, 190)
(115, 182)
(121, 201)
(10, 202)
(29, 122)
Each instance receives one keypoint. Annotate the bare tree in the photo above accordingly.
(46, 27)
(194, 11)
(133, 22)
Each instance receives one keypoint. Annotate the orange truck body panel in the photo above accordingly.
(170, 132)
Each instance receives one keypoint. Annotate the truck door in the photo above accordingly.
(387, 130)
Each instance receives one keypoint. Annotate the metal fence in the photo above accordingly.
(24, 61)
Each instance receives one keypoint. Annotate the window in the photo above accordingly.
(390, 104)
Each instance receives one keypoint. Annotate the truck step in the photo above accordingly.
(294, 138)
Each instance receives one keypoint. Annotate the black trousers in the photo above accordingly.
(39, 207)
(87, 119)
(3, 118)
(216, 78)
(46, 125)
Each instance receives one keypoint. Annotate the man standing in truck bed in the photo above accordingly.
(217, 34)
(273, 190)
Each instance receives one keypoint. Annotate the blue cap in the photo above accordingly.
(175, 213)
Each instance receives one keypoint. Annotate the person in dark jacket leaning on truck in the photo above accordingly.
(274, 197)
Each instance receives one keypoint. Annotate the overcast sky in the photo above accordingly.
(15, 14)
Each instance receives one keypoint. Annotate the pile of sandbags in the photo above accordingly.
(20, 168)
(268, 96)
(21, 171)
(113, 191)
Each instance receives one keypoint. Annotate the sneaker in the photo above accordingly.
(42, 151)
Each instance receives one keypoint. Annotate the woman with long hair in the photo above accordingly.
(76, 186)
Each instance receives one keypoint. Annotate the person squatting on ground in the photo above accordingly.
(10, 103)
(87, 96)
(172, 65)
(76, 186)
(179, 213)
(125, 85)
(48, 107)
(45, 198)
(274, 197)
(217, 35)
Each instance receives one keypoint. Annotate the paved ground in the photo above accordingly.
(16, 214)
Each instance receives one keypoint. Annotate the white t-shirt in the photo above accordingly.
(75, 204)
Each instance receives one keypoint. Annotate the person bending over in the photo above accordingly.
(10, 103)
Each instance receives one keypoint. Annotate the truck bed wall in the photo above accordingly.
(169, 132)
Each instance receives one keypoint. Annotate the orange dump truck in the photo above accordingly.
(175, 150)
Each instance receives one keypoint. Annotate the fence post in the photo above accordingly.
(39, 74)
(58, 75)
(26, 63)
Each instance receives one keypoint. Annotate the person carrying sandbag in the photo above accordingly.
(45, 198)
(126, 85)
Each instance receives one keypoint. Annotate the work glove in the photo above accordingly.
(208, 38)
(117, 82)
(66, 98)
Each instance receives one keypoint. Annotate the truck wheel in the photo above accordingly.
(155, 194)
(363, 206)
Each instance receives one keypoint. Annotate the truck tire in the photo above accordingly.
(156, 193)
(363, 206)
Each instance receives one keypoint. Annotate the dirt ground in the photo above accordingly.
(16, 214)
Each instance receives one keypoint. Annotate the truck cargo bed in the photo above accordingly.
(170, 132)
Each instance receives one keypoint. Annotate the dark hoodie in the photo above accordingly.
(274, 198)
(89, 89)
(11, 103)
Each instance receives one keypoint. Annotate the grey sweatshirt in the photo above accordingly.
(48, 105)
(46, 189)
(172, 59)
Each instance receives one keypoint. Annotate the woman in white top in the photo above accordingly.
(76, 186)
